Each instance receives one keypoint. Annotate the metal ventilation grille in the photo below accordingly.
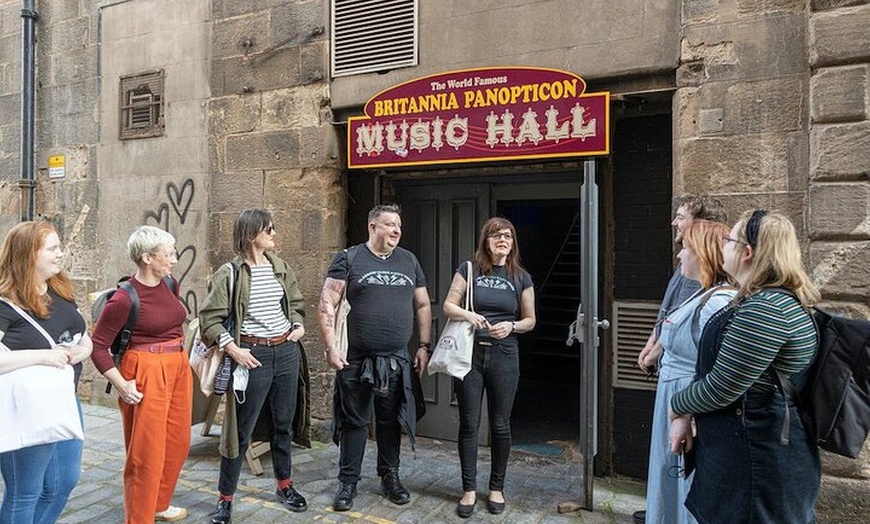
(373, 35)
(632, 323)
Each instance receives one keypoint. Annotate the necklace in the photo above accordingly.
(382, 256)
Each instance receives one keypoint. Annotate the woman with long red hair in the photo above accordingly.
(39, 478)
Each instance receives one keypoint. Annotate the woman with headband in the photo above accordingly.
(754, 460)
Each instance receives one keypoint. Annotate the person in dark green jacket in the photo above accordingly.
(260, 290)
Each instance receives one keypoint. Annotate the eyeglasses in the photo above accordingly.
(505, 236)
(170, 255)
(727, 239)
(269, 229)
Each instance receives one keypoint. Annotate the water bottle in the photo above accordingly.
(222, 379)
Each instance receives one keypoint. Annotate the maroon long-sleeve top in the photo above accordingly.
(160, 319)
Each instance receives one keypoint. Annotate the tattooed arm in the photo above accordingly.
(330, 298)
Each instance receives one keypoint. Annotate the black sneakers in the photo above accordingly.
(393, 488)
(344, 498)
(222, 514)
(291, 499)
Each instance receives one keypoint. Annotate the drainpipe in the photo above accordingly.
(28, 66)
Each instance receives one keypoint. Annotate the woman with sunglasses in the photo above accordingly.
(754, 461)
(701, 261)
(260, 290)
(504, 305)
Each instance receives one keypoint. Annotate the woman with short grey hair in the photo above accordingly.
(152, 379)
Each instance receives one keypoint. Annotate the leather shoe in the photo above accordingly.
(465, 510)
(291, 499)
(344, 498)
(393, 488)
(222, 514)
(495, 507)
(639, 517)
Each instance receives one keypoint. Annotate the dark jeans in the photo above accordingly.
(276, 380)
(357, 401)
(496, 369)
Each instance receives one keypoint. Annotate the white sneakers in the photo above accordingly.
(170, 514)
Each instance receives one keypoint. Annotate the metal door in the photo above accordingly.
(585, 328)
(440, 225)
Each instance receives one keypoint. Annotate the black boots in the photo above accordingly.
(222, 514)
(344, 498)
(393, 488)
(291, 499)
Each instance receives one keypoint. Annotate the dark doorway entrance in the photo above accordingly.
(546, 411)
(441, 222)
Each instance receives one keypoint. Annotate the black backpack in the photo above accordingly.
(834, 403)
(122, 339)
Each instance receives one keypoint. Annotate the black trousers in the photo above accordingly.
(276, 380)
(358, 398)
(496, 369)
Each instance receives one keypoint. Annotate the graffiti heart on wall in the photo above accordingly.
(172, 215)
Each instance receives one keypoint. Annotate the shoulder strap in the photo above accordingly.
(348, 259)
(696, 315)
(351, 254)
(128, 287)
(469, 286)
(30, 319)
(232, 282)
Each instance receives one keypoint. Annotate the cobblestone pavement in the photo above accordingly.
(535, 485)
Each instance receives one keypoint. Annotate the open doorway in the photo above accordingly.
(546, 411)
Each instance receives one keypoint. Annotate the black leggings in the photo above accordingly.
(495, 369)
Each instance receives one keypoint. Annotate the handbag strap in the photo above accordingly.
(34, 323)
(469, 287)
(233, 283)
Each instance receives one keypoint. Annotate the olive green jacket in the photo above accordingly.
(211, 317)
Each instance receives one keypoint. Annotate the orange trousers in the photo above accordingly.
(156, 431)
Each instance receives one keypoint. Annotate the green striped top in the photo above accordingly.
(768, 327)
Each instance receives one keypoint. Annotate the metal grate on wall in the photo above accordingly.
(632, 323)
(141, 105)
(373, 35)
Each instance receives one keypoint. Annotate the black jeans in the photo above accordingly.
(276, 380)
(357, 400)
(496, 369)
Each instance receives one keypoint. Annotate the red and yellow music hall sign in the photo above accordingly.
(481, 115)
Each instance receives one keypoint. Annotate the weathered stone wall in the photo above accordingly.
(839, 198)
(66, 105)
(271, 145)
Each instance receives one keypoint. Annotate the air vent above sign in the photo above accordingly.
(373, 35)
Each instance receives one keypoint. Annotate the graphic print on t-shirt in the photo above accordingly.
(494, 282)
(385, 278)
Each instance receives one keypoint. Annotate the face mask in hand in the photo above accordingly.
(240, 383)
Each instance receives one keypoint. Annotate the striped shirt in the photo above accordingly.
(767, 328)
(264, 316)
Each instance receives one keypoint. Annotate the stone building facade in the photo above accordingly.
(759, 102)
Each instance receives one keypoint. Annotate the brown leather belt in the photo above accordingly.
(171, 346)
(258, 341)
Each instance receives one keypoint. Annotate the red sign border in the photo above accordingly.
(602, 152)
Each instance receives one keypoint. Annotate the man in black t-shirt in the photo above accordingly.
(386, 289)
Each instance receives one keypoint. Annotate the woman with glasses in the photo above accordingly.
(259, 289)
(701, 261)
(504, 306)
(754, 461)
(152, 379)
(39, 478)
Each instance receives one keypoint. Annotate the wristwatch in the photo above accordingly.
(425, 345)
